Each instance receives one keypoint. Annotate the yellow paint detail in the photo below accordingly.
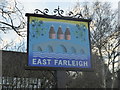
(58, 20)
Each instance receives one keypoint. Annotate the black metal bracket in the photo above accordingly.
(58, 12)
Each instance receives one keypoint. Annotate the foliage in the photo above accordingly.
(37, 26)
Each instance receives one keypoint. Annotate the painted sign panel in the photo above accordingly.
(58, 43)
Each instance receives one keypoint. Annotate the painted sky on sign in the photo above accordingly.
(47, 23)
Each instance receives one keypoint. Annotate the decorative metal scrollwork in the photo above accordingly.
(59, 12)
(44, 12)
(70, 13)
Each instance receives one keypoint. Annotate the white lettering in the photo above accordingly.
(69, 63)
(60, 62)
(64, 62)
(80, 63)
(34, 61)
(73, 63)
(44, 62)
(56, 61)
(77, 63)
(49, 60)
(86, 63)
(39, 61)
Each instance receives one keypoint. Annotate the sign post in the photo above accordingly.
(61, 79)
(58, 43)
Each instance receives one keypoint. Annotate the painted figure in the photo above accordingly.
(52, 34)
(60, 33)
(67, 34)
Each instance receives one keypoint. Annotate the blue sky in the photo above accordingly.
(31, 5)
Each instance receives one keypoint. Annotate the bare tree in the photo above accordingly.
(12, 19)
(11, 16)
(104, 34)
